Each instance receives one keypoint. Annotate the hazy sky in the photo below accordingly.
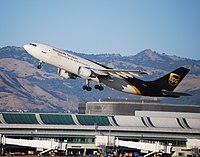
(104, 26)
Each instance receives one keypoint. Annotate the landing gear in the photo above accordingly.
(87, 86)
(99, 87)
(39, 65)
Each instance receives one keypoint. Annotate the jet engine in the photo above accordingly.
(86, 73)
(65, 74)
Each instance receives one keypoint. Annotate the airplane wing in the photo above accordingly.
(119, 73)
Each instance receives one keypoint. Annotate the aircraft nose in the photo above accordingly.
(26, 47)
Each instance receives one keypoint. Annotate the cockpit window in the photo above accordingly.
(33, 44)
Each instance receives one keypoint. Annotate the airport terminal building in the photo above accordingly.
(179, 128)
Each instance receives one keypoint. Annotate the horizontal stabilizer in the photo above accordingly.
(174, 94)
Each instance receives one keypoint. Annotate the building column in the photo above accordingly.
(84, 152)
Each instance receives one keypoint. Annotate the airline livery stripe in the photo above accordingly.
(135, 88)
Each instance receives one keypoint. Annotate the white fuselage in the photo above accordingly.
(72, 63)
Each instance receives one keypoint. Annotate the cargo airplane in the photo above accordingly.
(71, 66)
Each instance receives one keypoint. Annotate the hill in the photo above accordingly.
(23, 87)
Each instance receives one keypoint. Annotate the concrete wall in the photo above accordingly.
(129, 108)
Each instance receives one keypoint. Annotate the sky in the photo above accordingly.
(104, 26)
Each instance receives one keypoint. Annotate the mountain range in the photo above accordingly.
(24, 87)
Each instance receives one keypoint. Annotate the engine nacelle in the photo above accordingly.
(86, 73)
(65, 74)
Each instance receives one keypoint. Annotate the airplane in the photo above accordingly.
(71, 66)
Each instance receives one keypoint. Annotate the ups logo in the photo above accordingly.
(173, 79)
